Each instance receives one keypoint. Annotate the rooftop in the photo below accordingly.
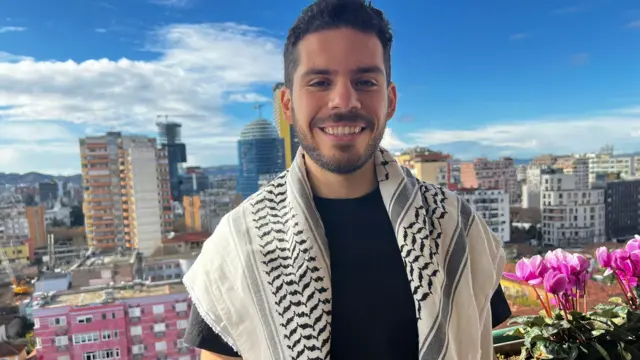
(98, 296)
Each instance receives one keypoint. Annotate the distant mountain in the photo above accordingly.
(33, 178)
(221, 170)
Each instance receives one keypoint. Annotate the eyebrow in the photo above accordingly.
(374, 69)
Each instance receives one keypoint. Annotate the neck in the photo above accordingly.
(328, 185)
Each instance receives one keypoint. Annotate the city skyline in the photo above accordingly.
(516, 85)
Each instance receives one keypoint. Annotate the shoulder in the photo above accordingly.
(446, 205)
(236, 224)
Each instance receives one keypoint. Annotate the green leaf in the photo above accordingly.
(617, 300)
(601, 350)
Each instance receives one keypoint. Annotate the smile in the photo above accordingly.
(342, 130)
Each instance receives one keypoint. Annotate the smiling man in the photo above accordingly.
(346, 255)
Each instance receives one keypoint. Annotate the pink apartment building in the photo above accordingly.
(120, 322)
(491, 174)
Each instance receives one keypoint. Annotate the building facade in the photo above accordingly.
(146, 323)
(286, 131)
(127, 201)
(492, 174)
(170, 141)
(571, 217)
(493, 206)
(622, 209)
(260, 152)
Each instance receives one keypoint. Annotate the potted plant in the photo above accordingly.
(566, 328)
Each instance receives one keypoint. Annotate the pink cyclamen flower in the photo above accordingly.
(605, 259)
(555, 282)
(528, 270)
(558, 259)
(622, 263)
(633, 244)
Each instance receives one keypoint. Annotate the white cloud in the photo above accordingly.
(574, 134)
(392, 142)
(172, 3)
(100, 30)
(248, 98)
(8, 29)
(198, 69)
(634, 24)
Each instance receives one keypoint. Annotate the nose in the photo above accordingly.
(344, 97)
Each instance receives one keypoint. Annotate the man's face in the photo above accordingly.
(340, 102)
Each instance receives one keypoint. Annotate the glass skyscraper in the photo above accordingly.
(261, 155)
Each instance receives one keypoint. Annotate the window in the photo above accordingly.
(182, 324)
(136, 330)
(186, 357)
(86, 338)
(159, 327)
(38, 343)
(110, 354)
(135, 312)
(36, 323)
(181, 343)
(137, 349)
(90, 355)
(86, 319)
(106, 335)
(62, 340)
(64, 357)
(181, 306)
(158, 309)
(58, 321)
(116, 335)
(113, 315)
(161, 346)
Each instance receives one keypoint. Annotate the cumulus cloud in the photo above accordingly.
(634, 24)
(197, 69)
(391, 142)
(570, 134)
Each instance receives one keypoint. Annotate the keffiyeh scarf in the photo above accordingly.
(263, 280)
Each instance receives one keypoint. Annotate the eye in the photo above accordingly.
(320, 83)
(366, 83)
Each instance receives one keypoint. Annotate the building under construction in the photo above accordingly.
(170, 138)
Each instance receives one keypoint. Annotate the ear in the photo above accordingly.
(287, 104)
(392, 100)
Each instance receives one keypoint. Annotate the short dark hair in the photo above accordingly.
(322, 15)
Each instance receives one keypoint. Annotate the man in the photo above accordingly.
(346, 255)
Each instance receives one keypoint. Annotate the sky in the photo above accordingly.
(475, 78)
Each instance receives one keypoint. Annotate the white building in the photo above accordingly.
(14, 225)
(571, 216)
(628, 165)
(531, 187)
(493, 206)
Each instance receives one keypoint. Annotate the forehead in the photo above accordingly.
(339, 50)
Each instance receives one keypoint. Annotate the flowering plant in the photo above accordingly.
(566, 328)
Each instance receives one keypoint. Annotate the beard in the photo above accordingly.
(344, 159)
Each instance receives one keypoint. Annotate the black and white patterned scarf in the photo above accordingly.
(263, 280)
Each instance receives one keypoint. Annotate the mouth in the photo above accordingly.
(343, 131)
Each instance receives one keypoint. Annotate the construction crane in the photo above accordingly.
(19, 287)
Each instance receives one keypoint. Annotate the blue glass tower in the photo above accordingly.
(260, 153)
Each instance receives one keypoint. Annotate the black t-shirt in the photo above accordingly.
(373, 311)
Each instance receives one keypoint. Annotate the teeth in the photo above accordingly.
(342, 130)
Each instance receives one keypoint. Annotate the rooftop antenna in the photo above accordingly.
(259, 108)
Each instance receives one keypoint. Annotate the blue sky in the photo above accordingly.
(505, 77)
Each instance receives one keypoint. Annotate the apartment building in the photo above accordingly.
(129, 321)
(605, 162)
(493, 206)
(531, 187)
(429, 166)
(571, 217)
(492, 174)
(622, 209)
(575, 165)
(22, 229)
(127, 201)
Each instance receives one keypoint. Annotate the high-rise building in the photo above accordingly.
(622, 209)
(192, 216)
(170, 139)
(126, 192)
(571, 217)
(285, 130)
(493, 206)
(260, 153)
